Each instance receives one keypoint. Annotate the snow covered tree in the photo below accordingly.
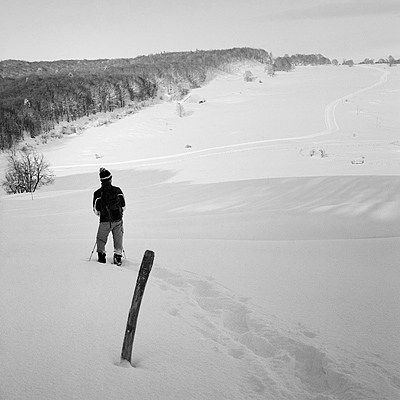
(180, 110)
(350, 63)
(26, 172)
(248, 76)
(270, 69)
(282, 64)
(367, 61)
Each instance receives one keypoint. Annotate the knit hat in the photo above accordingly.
(104, 174)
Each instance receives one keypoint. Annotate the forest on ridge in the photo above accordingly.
(35, 97)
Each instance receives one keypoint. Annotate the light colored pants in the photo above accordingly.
(102, 235)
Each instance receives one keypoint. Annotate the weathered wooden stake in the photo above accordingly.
(143, 275)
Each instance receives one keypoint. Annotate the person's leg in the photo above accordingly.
(102, 235)
(118, 233)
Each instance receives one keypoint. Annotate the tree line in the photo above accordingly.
(34, 97)
(390, 60)
(287, 63)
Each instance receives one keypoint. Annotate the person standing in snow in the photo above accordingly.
(109, 205)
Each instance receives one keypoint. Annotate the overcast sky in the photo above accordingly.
(35, 30)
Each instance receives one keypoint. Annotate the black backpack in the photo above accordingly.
(111, 205)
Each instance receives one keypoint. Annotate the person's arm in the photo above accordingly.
(122, 199)
(96, 203)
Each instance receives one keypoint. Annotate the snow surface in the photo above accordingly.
(273, 210)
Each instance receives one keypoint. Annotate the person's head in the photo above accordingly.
(104, 175)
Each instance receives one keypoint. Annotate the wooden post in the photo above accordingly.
(143, 275)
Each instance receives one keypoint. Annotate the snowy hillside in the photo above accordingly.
(276, 270)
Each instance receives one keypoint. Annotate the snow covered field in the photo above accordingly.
(274, 213)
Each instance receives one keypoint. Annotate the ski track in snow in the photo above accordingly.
(330, 123)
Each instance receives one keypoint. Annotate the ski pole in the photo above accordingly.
(92, 251)
(124, 252)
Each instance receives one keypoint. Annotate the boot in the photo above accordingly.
(101, 257)
(117, 259)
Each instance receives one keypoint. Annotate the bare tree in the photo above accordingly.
(26, 172)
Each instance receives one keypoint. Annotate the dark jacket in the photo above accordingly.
(97, 209)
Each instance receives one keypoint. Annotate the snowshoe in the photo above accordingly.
(117, 259)
(101, 257)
